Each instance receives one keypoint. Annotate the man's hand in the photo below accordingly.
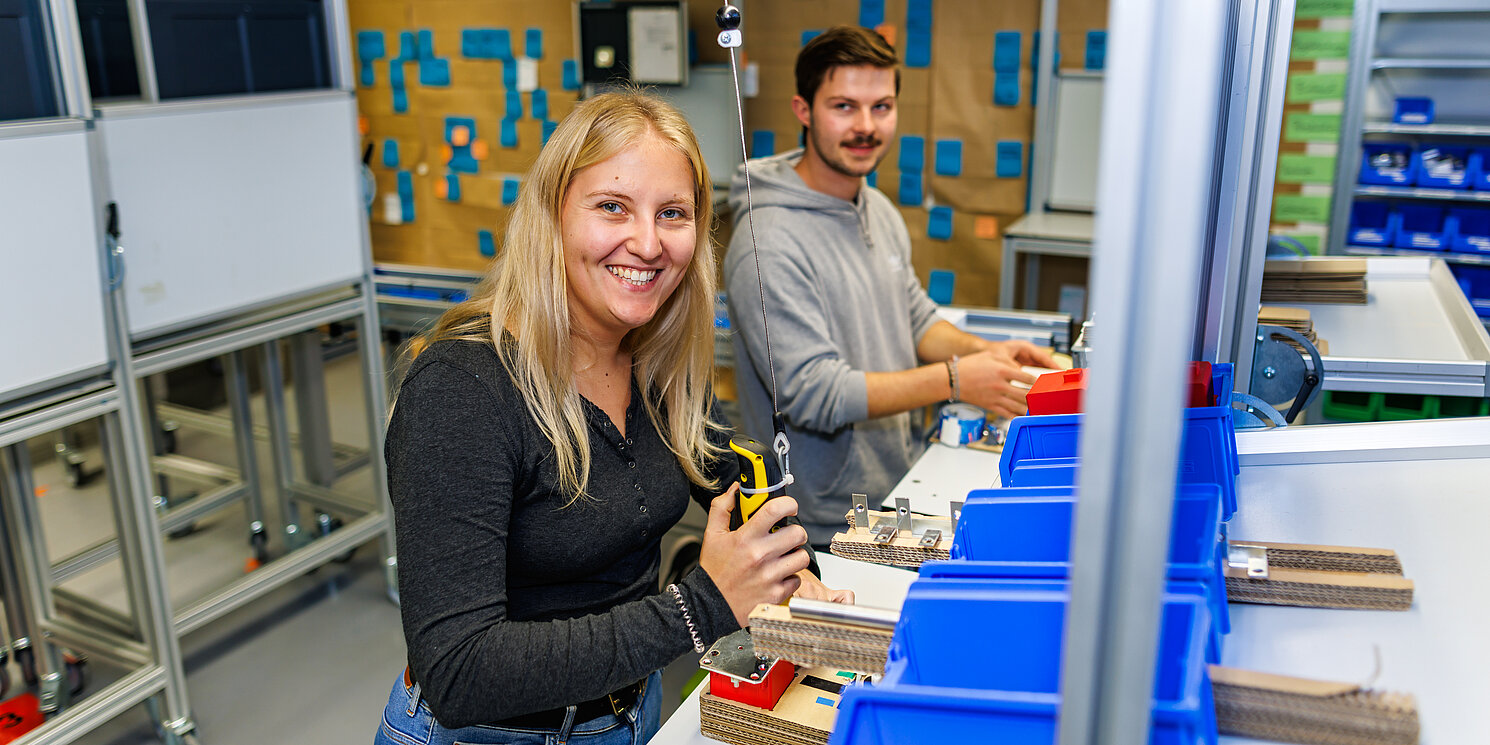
(813, 589)
(993, 378)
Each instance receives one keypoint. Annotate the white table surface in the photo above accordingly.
(1065, 226)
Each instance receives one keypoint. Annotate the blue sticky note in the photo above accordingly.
(873, 179)
(1006, 89)
(918, 33)
(871, 13)
(571, 75)
(514, 104)
(539, 109)
(1010, 159)
(408, 46)
(426, 44)
(533, 43)
(473, 43)
(365, 75)
(452, 187)
(509, 133)
(390, 153)
(406, 195)
(486, 243)
(762, 143)
(949, 157)
(1006, 51)
(1096, 50)
(509, 190)
(940, 286)
(809, 35)
(939, 226)
(825, 701)
(548, 129)
(912, 153)
(400, 100)
(370, 45)
(499, 44)
(396, 74)
(509, 75)
(910, 189)
(434, 72)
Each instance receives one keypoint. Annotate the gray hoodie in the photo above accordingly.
(841, 299)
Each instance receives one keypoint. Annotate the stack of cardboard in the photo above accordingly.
(1341, 281)
(1287, 709)
(1323, 577)
(804, 715)
(778, 633)
(1294, 319)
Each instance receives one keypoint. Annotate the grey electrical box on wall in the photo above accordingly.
(640, 41)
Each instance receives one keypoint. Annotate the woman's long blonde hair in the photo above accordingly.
(525, 293)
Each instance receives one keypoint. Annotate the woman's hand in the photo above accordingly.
(752, 565)
(813, 589)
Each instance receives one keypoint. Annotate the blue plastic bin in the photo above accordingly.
(1471, 232)
(937, 682)
(1388, 164)
(1423, 226)
(1373, 224)
(1443, 166)
(1413, 110)
(1479, 169)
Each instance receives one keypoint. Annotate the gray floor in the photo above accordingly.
(311, 662)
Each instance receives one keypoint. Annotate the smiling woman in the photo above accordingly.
(549, 433)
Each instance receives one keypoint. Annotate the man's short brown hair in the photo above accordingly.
(842, 46)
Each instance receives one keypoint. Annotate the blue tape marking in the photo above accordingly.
(408, 46)
(499, 44)
(539, 109)
(871, 13)
(486, 243)
(509, 190)
(452, 187)
(873, 179)
(825, 701)
(912, 153)
(400, 100)
(533, 43)
(509, 133)
(1006, 51)
(918, 33)
(762, 143)
(390, 153)
(1010, 159)
(370, 45)
(1006, 89)
(949, 157)
(940, 285)
(571, 75)
(809, 35)
(514, 104)
(910, 189)
(426, 44)
(509, 75)
(940, 224)
(434, 71)
(406, 195)
(1096, 50)
(548, 129)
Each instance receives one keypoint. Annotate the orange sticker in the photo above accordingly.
(442, 188)
(986, 227)
(887, 30)
(363, 126)
(480, 150)
(447, 153)
(460, 135)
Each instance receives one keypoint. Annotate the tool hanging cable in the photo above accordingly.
(728, 18)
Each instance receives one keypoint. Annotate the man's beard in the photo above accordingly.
(828, 155)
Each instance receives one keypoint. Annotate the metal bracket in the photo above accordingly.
(930, 538)
(955, 510)
(861, 511)
(885, 533)
(734, 656)
(1248, 556)
(903, 514)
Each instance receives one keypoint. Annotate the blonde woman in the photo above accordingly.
(548, 435)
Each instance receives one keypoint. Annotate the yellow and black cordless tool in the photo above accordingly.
(758, 471)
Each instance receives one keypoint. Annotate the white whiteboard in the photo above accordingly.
(223, 208)
(1078, 130)
(51, 291)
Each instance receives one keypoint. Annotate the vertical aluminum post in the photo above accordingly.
(1155, 188)
(139, 26)
(279, 443)
(1044, 143)
(308, 371)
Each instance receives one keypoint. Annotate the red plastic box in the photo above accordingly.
(1060, 392)
(762, 695)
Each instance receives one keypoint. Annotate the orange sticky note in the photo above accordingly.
(887, 30)
(460, 136)
(442, 189)
(363, 126)
(479, 150)
(986, 227)
(447, 154)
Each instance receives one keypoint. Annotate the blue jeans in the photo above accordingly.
(407, 720)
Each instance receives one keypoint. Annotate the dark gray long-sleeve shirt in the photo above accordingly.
(513, 603)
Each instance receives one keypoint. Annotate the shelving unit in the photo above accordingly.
(1412, 192)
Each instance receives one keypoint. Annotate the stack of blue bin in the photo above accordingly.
(977, 653)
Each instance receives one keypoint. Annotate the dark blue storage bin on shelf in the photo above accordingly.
(1413, 110)
(1443, 167)
(1423, 226)
(1471, 230)
(1388, 164)
(1026, 532)
(1373, 224)
(938, 684)
(1479, 169)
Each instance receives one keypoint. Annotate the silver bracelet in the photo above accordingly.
(698, 644)
(952, 379)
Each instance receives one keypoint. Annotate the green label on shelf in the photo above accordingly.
(1294, 168)
(1300, 208)
(1313, 242)
(1309, 45)
(1311, 127)
(1323, 8)
(1308, 87)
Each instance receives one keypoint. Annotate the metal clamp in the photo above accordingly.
(1248, 556)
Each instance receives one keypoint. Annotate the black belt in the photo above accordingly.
(615, 703)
